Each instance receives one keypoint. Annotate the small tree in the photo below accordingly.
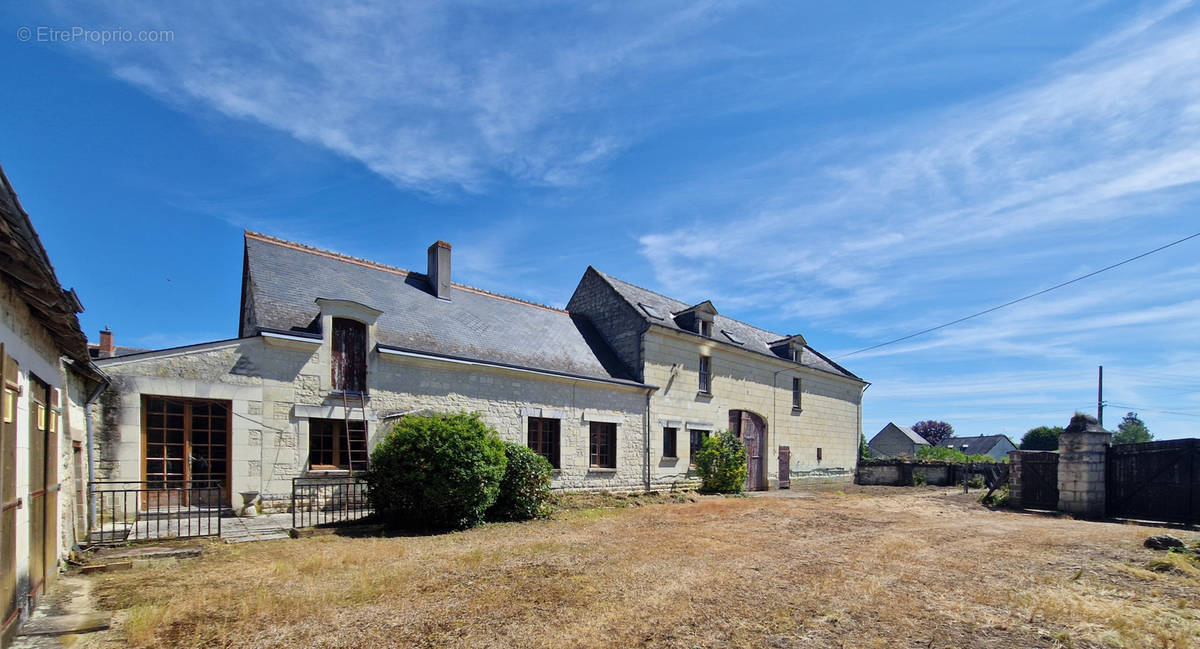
(864, 451)
(439, 471)
(934, 432)
(1132, 430)
(1042, 438)
(721, 463)
(525, 489)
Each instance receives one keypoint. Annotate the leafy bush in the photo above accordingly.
(525, 488)
(998, 498)
(721, 463)
(919, 479)
(439, 471)
(945, 454)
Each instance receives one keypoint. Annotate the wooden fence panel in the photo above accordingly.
(1039, 480)
(1158, 481)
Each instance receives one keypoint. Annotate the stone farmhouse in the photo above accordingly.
(48, 380)
(616, 390)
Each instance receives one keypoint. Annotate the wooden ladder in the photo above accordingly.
(355, 456)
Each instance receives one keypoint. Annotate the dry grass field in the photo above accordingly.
(875, 568)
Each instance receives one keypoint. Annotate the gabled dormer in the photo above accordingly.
(349, 331)
(697, 319)
(791, 348)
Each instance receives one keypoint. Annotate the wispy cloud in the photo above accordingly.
(434, 96)
(1107, 135)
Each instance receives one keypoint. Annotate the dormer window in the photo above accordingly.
(349, 355)
(697, 319)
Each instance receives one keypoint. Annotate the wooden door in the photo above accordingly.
(785, 467)
(39, 399)
(8, 498)
(753, 431)
(349, 355)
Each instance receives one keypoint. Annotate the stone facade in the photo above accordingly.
(1081, 471)
(275, 387)
(828, 417)
(33, 349)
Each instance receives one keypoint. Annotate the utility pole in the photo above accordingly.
(1100, 398)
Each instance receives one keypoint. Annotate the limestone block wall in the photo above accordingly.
(828, 419)
(273, 387)
(26, 341)
(1081, 472)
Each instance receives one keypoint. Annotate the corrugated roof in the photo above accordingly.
(282, 280)
(752, 338)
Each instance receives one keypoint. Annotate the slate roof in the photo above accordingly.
(979, 445)
(27, 267)
(725, 329)
(118, 350)
(281, 281)
(912, 435)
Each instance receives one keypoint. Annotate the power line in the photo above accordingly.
(1020, 299)
(1140, 409)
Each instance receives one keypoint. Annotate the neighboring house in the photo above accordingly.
(106, 348)
(993, 446)
(894, 441)
(47, 379)
(614, 390)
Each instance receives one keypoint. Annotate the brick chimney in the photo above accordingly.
(107, 348)
(439, 269)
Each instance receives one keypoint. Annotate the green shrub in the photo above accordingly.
(525, 488)
(999, 497)
(945, 454)
(721, 463)
(976, 482)
(436, 472)
(919, 480)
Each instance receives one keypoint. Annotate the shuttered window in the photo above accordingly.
(349, 355)
(796, 394)
(705, 374)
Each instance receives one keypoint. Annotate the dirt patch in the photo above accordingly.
(873, 568)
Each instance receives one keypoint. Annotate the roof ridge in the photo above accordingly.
(367, 263)
(640, 288)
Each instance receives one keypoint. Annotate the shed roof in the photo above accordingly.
(282, 279)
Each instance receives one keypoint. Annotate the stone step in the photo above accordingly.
(52, 625)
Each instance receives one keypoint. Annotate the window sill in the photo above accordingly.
(602, 469)
(671, 458)
(704, 394)
(328, 473)
(797, 410)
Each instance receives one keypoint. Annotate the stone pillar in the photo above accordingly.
(1082, 450)
(1014, 478)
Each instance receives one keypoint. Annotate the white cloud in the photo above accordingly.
(431, 95)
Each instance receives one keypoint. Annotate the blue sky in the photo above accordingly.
(853, 172)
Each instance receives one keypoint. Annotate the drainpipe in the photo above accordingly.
(861, 438)
(646, 442)
(87, 410)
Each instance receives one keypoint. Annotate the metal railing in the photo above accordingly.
(133, 510)
(326, 501)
